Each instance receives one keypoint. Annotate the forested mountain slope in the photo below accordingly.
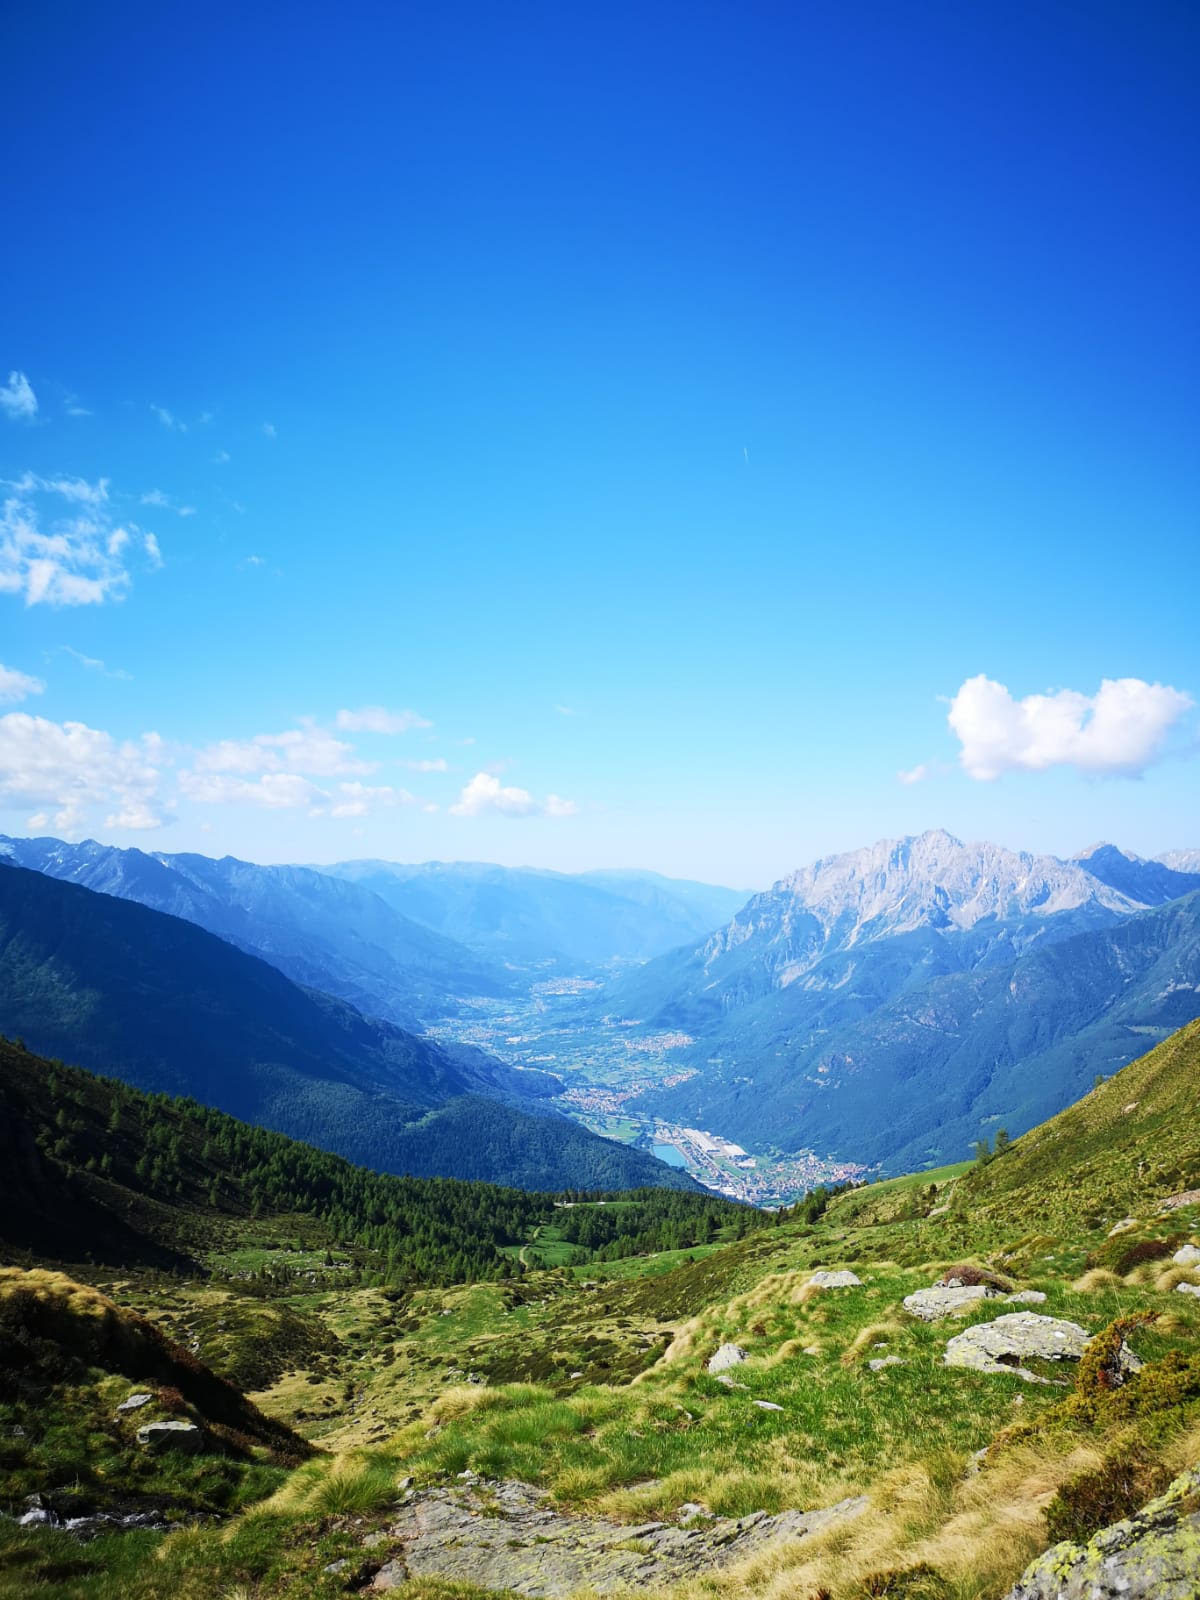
(161, 1003)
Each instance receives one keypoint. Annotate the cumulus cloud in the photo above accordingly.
(1118, 731)
(16, 685)
(277, 791)
(485, 795)
(305, 749)
(17, 399)
(61, 545)
(65, 769)
(378, 719)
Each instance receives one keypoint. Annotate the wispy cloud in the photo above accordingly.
(168, 419)
(565, 711)
(378, 719)
(61, 545)
(914, 774)
(16, 685)
(485, 795)
(163, 502)
(94, 664)
(270, 430)
(1119, 731)
(308, 749)
(222, 458)
(358, 800)
(74, 407)
(17, 399)
(276, 791)
(436, 764)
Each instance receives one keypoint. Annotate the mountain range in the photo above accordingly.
(163, 1004)
(527, 915)
(892, 1004)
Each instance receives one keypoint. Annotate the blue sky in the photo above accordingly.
(673, 408)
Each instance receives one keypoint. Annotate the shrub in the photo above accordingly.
(970, 1276)
(1120, 1255)
(1118, 1487)
(921, 1582)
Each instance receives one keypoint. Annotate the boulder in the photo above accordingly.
(930, 1304)
(185, 1436)
(1154, 1555)
(1026, 1297)
(1187, 1288)
(843, 1279)
(729, 1355)
(1187, 1256)
(1000, 1346)
(884, 1361)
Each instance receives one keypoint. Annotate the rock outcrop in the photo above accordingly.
(185, 1436)
(843, 1279)
(1154, 1555)
(1188, 1255)
(507, 1536)
(1000, 1346)
(944, 1301)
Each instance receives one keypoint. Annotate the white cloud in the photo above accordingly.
(65, 769)
(156, 497)
(222, 458)
(275, 790)
(270, 430)
(914, 774)
(1119, 731)
(94, 664)
(16, 685)
(168, 420)
(60, 544)
(436, 765)
(17, 398)
(150, 545)
(565, 711)
(486, 795)
(305, 749)
(378, 719)
(358, 800)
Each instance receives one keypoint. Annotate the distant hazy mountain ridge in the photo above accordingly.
(523, 914)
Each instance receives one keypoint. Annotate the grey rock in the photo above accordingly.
(729, 1355)
(999, 1346)
(508, 1536)
(1026, 1297)
(884, 1361)
(185, 1436)
(835, 1280)
(767, 1405)
(945, 1300)
(135, 1402)
(1123, 1226)
(1154, 1555)
(1187, 1256)
(337, 1566)
(1187, 1288)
